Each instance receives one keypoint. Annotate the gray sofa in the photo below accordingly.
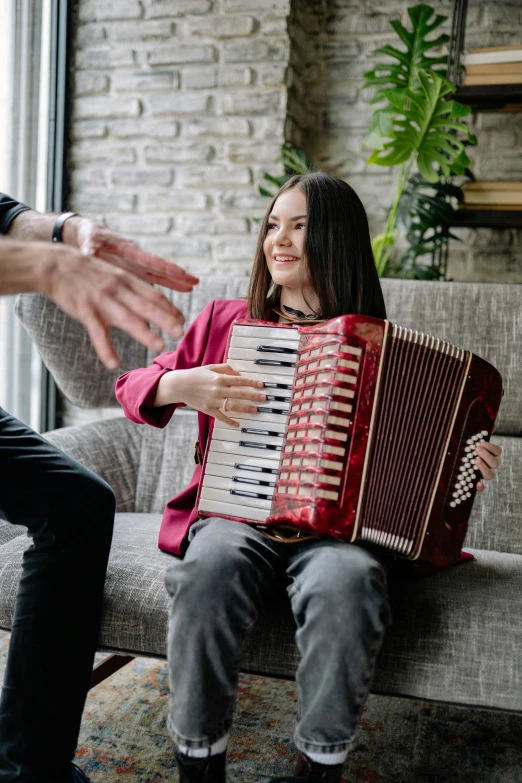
(455, 636)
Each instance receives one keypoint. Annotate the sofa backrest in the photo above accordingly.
(485, 318)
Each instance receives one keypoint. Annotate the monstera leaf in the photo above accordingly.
(294, 162)
(403, 74)
(424, 128)
(426, 206)
(425, 214)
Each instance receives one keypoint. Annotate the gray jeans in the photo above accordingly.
(338, 596)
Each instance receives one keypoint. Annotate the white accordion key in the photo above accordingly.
(232, 447)
(267, 333)
(237, 488)
(216, 501)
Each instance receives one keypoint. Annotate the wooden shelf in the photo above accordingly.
(491, 97)
(488, 218)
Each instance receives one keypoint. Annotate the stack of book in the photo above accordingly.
(493, 65)
(492, 195)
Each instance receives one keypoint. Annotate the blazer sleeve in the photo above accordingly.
(9, 209)
(136, 389)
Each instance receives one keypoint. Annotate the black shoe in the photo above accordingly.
(308, 771)
(78, 775)
(211, 769)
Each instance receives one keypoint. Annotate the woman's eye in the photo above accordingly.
(300, 225)
(271, 226)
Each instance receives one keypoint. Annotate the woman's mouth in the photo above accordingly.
(285, 259)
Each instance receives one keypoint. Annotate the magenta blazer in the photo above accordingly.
(204, 343)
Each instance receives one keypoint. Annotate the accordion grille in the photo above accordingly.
(422, 380)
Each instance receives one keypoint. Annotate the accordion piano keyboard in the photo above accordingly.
(243, 462)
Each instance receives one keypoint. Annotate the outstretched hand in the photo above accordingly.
(101, 295)
(95, 239)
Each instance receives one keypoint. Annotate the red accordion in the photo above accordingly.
(368, 434)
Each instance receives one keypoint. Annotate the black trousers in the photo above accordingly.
(69, 514)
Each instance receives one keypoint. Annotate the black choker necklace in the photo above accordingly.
(299, 313)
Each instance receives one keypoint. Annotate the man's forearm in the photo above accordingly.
(32, 226)
(22, 267)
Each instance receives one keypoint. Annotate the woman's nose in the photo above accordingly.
(281, 237)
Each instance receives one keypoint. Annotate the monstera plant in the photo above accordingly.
(294, 162)
(416, 124)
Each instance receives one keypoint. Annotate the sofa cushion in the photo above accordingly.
(453, 637)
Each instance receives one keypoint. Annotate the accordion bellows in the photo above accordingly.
(368, 434)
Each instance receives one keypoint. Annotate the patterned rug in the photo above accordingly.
(124, 739)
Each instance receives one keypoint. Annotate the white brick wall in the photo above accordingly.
(181, 105)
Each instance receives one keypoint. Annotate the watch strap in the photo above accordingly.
(57, 229)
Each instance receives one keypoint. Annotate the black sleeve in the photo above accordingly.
(9, 209)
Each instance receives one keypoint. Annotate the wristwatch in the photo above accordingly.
(57, 229)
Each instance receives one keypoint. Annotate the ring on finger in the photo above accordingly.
(224, 406)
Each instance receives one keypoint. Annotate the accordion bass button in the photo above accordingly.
(453, 504)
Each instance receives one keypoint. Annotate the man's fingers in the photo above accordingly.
(112, 247)
(167, 269)
(147, 274)
(118, 315)
(99, 335)
(156, 309)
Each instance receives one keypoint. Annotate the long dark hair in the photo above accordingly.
(337, 252)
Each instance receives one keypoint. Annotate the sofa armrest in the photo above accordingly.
(110, 448)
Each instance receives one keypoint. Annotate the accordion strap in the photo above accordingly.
(286, 534)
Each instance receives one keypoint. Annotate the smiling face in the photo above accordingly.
(284, 249)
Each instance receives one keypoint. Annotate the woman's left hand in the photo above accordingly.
(487, 461)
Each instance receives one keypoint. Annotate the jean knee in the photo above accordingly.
(214, 572)
(340, 576)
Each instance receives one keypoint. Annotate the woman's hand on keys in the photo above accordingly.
(213, 386)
